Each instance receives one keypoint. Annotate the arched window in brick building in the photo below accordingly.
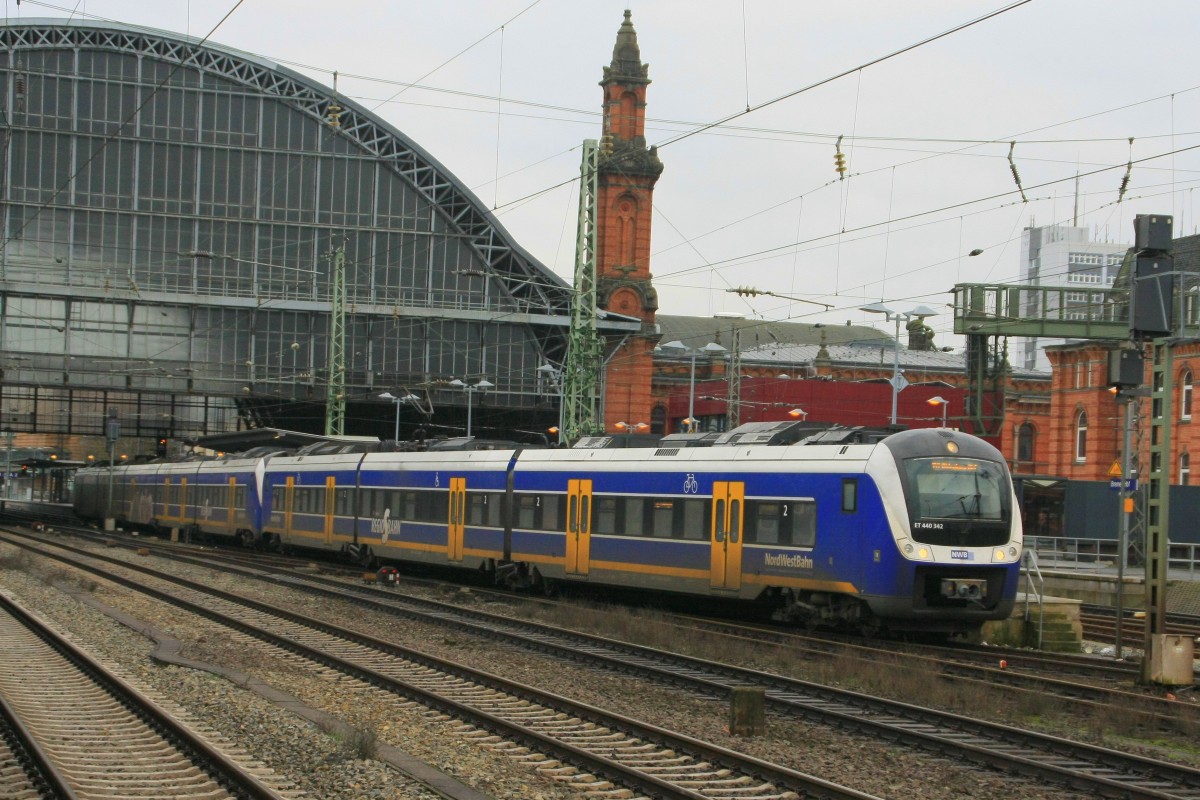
(627, 210)
(1025, 443)
(1081, 425)
(1185, 395)
(658, 420)
(627, 116)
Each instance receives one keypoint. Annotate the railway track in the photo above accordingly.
(1026, 672)
(88, 734)
(604, 748)
(1100, 624)
(26, 772)
(1100, 770)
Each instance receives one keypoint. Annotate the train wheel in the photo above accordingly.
(366, 558)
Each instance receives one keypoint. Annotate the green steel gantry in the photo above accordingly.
(585, 350)
(986, 314)
(335, 392)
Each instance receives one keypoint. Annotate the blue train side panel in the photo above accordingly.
(917, 530)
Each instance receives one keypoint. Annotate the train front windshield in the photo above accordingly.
(958, 501)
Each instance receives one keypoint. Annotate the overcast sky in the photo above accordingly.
(507, 90)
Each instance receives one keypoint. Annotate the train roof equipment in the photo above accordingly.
(620, 440)
(237, 441)
(689, 439)
(770, 433)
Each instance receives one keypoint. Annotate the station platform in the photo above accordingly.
(1097, 583)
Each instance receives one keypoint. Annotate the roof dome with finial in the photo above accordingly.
(627, 57)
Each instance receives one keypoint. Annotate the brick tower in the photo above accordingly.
(627, 174)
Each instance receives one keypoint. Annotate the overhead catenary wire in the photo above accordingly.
(889, 214)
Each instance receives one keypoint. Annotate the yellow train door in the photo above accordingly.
(726, 566)
(288, 497)
(230, 506)
(579, 527)
(330, 506)
(458, 515)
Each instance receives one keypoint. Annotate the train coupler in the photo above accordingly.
(964, 588)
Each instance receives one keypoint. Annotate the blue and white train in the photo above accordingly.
(913, 531)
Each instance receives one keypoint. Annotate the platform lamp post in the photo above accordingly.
(471, 388)
(8, 442)
(409, 399)
(940, 401)
(898, 381)
(112, 432)
(555, 376)
(711, 347)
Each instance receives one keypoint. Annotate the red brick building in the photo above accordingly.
(1084, 425)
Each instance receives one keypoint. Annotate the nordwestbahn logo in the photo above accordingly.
(795, 562)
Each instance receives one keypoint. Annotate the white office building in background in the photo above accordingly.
(1063, 256)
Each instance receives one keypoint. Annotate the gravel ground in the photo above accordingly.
(329, 767)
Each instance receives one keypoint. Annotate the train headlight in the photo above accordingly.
(1012, 550)
(908, 549)
(923, 553)
(998, 555)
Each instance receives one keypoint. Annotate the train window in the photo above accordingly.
(550, 507)
(585, 513)
(495, 509)
(341, 504)
(527, 511)
(573, 513)
(958, 488)
(735, 520)
(803, 518)
(719, 536)
(606, 514)
(763, 522)
(850, 495)
(476, 508)
(694, 524)
(633, 522)
(439, 509)
(662, 519)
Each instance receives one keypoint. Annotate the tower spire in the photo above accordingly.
(627, 171)
(627, 56)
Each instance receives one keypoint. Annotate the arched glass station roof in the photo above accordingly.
(169, 215)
